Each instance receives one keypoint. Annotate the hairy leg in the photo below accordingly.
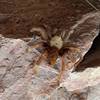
(56, 81)
(62, 69)
(38, 62)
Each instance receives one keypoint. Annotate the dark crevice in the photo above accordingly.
(92, 58)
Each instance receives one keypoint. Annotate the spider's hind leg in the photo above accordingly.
(56, 81)
(62, 70)
(38, 62)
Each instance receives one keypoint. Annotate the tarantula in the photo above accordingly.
(55, 43)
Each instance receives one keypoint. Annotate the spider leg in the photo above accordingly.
(80, 55)
(74, 47)
(78, 62)
(33, 44)
(62, 70)
(38, 62)
(48, 29)
(53, 57)
(65, 36)
(63, 67)
(39, 31)
(56, 81)
(42, 57)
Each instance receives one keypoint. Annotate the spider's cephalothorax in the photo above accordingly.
(54, 45)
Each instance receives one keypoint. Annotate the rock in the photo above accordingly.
(82, 35)
(94, 93)
(14, 61)
(84, 84)
(20, 79)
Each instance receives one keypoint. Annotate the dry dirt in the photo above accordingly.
(25, 14)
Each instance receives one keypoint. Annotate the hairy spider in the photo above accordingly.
(55, 44)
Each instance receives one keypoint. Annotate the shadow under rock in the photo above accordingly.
(92, 58)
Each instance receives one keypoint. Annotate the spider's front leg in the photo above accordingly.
(74, 48)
